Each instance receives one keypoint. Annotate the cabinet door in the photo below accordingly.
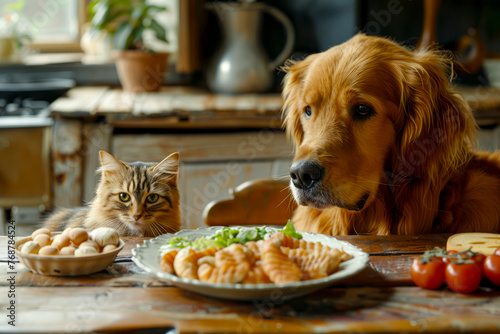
(201, 183)
(25, 167)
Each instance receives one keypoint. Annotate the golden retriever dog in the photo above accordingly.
(383, 145)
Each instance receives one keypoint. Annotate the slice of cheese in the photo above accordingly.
(485, 243)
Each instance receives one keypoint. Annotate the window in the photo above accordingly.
(54, 25)
(57, 25)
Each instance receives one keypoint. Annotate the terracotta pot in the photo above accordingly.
(140, 71)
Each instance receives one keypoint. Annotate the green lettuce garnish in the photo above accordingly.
(290, 231)
(228, 236)
(178, 242)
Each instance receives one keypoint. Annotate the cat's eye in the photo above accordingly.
(307, 111)
(152, 198)
(124, 197)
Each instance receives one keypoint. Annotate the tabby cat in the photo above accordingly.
(137, 199)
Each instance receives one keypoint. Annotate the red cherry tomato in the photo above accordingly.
(463, 277)
(497, 251)
(491, 269)
(479, 259)
(447, 260)
(428, 275)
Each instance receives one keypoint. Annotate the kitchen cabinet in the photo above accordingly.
(25, 167)
(25, 187)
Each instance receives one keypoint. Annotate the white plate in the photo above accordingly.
(147, 256)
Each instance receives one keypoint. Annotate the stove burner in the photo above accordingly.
(24, 107)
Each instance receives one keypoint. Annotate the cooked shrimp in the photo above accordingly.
(279, 259)
(226, 274)
(256, 275)
(167, 261)
(284, 240)
(233, 255)
(255, 247)
(186, 263)
(230, 265)
(279, 267)
(314, 264)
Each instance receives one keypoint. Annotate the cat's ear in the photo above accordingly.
(169, 165)
(109, 164)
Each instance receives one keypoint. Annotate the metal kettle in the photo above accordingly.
(241, 64)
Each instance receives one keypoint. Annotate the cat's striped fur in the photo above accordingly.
(137, 199)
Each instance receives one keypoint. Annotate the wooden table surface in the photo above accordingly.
(380, 299)
(171, 107)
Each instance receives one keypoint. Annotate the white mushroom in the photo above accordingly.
(82, 251)
(30, 247)
(105, 236)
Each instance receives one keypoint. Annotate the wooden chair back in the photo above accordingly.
(264, 201)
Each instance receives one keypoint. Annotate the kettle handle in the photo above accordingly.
(290, 35)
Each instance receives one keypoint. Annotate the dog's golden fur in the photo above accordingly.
(412, 159)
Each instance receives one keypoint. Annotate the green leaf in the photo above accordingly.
(132, 17)
(93, 5)
(290, 231)
(138, 14)
(100, 17)
(118, 13)
(137, 41)
(159, 30)
(124, 36)
(156, 8)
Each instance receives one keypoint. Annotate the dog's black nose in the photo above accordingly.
(305, 173)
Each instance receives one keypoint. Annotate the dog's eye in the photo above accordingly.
(362, 111)
(307, 111)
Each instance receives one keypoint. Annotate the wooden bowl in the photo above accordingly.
(66, 265)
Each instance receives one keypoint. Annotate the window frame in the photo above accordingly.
(64, 45)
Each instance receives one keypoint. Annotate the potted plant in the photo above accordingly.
(139, 68)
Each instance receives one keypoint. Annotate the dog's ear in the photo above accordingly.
(438, 125)
(292, 95)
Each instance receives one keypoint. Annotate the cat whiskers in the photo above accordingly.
(153, 228)
(157, 228)
(160, 227)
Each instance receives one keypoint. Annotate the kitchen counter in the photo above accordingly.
(171, 107)
(484, 102)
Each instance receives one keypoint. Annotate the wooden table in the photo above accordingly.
(380, 299)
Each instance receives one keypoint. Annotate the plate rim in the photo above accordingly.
(359, 255)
